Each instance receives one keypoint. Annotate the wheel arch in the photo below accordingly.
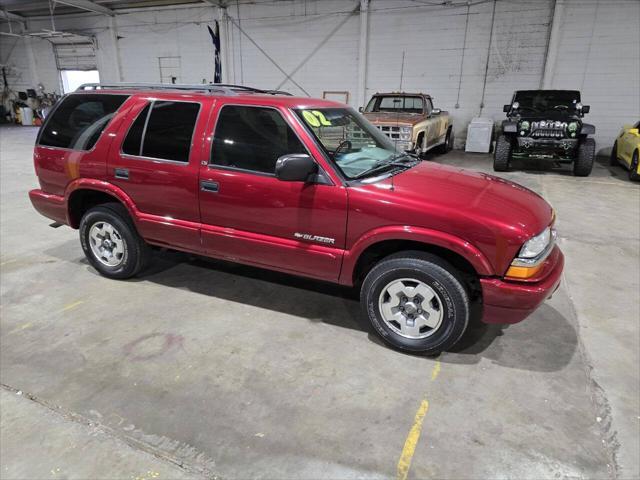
(375, 246)
(82, 195)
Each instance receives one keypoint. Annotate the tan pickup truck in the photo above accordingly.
(410, 120)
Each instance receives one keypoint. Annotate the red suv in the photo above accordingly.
(304, 186)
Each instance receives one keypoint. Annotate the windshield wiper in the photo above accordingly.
(392, 161)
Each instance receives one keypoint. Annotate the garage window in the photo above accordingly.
(79, 120)
(168, 130)
(252, 138)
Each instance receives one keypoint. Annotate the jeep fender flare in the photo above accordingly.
(587, 129)
(104, 187)
(417, 234)
(509, 126)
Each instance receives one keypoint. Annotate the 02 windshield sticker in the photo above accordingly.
(315, 118)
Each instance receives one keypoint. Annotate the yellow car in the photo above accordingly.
(626, 150)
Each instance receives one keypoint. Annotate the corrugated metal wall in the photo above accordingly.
(455, 52)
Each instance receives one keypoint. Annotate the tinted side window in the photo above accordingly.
(133, 141)
(252, 138)
(169, 130)
(79, 120)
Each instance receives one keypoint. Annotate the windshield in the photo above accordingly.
(356, 146)
(389, 103)
(547, 100)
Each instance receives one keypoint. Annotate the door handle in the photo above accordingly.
(208, 186)
(122, 173)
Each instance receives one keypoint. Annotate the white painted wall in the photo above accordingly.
(598, 50)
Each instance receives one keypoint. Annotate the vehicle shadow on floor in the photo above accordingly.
(524, 347)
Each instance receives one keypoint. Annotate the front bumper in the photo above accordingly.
(546, 147)
(507, 301)
(51, 206)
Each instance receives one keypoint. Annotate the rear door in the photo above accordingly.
(250, 216)
(154, 160)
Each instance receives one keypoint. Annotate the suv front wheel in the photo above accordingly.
(583, 164)
(416, 302)
(111, 243)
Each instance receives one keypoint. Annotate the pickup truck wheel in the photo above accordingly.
(613, 160)
(633, 168)
(448, 142)
(502, 154)
(583, 164)
(416, 302)
(111, 243)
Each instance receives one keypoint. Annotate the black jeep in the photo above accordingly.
(546, 124)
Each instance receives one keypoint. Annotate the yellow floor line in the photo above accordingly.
(72, 305)
(404, 463)
(412, 440)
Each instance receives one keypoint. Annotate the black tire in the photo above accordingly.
(502, 154)
(447, 146)
(613, 160)
(633, 169)
(583, 164)
(440, 277)
(419, 141)
(136, 253)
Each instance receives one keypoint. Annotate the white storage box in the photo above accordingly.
(479, 135)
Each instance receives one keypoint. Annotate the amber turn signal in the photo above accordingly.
(522, 272)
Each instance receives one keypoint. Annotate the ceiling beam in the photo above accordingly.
(87, 5)
(12, 16)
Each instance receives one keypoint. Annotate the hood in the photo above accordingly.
(394, 118)
(495, 215)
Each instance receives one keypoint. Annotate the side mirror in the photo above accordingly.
(360, 109)
(295, 167)
(436, 111)
(506, 108)
(586, 108)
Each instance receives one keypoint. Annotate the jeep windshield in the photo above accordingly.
(540, 101)
(357, 147)
(396, 104)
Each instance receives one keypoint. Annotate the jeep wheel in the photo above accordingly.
(633, 169)
(448, 142)
(111, 243)
(613, 160)
(502, 155)
(416, 302)
(583, 164)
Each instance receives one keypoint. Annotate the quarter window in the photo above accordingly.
(168, 131)
(79, 120)
(252, 138)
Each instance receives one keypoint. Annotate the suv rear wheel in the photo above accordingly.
(111, 243)
(416, 302)
(583, 164)
(502, 155)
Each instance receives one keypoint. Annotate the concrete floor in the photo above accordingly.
(201, 369)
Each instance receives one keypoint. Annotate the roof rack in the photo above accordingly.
(226, 89)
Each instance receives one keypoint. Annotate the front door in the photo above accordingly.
(154, 160)
(250, 216)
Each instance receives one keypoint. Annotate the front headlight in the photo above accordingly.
(405, 129)
(532, 255)
(536, 245)
(524, 125)
(572, 127)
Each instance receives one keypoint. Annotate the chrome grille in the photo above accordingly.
(391, 131)
(548, 129)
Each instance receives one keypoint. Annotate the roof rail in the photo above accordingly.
(227, 89)
(203, 87)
